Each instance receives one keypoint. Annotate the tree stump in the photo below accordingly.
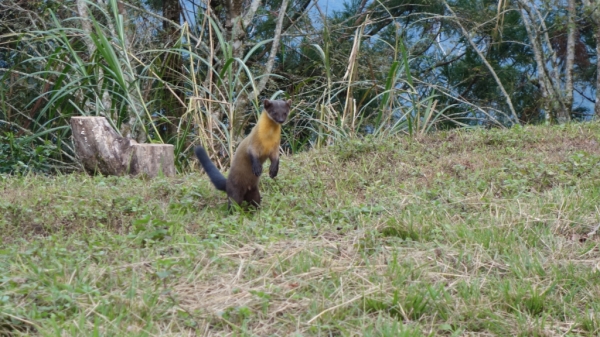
(151, 159)
(101, 150)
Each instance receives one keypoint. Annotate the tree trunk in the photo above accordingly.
(592, 9)
(597, 103)
(547, 65)
(243, 100)
(233, 26)
(570, 58)
(101, 150)
(173, 68)
(86, 25)
(130, 128)
(274, 48)
(539, 60)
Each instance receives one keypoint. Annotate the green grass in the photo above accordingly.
(471, 233)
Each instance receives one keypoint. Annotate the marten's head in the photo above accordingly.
(277, 110)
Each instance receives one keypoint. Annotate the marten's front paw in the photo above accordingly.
(257, 170)
(273, 171)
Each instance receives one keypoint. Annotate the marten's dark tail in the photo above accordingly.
(211, 170)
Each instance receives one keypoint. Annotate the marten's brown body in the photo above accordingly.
(246, 167)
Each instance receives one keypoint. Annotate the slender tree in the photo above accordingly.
(592, 9)
(570, 61)
(173, 91)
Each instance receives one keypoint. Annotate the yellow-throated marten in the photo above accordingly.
(246, 167)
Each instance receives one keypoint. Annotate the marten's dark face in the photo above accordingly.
(277, 110)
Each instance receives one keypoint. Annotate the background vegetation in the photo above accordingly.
(383, 229)
(189, 72)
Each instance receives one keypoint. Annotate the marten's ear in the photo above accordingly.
(266, 103)
(289, 102)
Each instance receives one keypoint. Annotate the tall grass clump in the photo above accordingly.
(101, 64)
(86, 68)
(353, 103)
(187, 83)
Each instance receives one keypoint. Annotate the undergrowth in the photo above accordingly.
(458, 233)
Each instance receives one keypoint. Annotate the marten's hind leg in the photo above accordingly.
(235, 196)
(252, 197)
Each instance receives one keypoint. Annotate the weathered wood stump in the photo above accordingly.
(151, 159)
(101, 150)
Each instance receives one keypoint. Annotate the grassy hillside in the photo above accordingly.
(477, 233)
